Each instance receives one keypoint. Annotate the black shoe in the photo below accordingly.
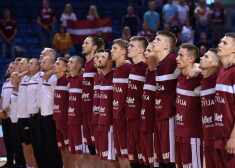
(7, 165)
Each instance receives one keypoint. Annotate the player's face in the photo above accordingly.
(159, 43)
(226, 47)
(59, 66)
(23, 65)
(44, 53)
(207, 60)
(87, 46)
(149, 54)
(116, 52)
(133, 49)
(11, 68)
(16, 64)
(103, 60)
(33, 65)
(72, 65)
(46, 65)
(182, 59)
(96, 59)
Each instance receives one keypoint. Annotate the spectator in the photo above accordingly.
(169, 10)
(62, 41)
(191, 5)
(218, 16)
(146, 33)
(174, 28)
(233, 20)
(152, 18)
(202, 13)
(126, 34)
(183, 12)
(8, 31)
(46, 20)
(187, 33)
(131, 20)
(67, 15)
(93, 14)
(203, 41)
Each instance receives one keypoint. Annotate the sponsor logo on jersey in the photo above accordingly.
(57, 95)
(102, 109)
(209, 102)
(166, 155)
(105, 154)
(160, 87)
(115, 103)
(158, 101)
(96, 95)
(145, 97)
(207, 120)
(103, 96)
(142, 111)
(71, 110)
(96, 108)
(218, 117)
(72, 98)
(181, 101)
(117, 89)
(132, 86)
(86, 83)
(179, 117)
(130, 100)
(85, 95)
(189, 165)
(56, 107)
(219, 99)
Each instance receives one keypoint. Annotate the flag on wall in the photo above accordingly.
(79, 30)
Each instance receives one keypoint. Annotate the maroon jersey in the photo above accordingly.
(120, 85)
(8, 27)
(75, 93)
(87, 86)
(148, 101)
(96, 99)
(188, 107)
(106, 100)
(208, 107)
(61, 100)
(224, 116)
(135, 90)
(166, 80)
(46, 16)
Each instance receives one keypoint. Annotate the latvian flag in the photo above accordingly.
(79, 30)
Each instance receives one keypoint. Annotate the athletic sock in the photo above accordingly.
(92, 149)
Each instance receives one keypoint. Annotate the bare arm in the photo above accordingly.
(230, 146)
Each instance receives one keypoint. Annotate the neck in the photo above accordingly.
(106, 70)
(227, 61)
(59, 74)
(138, 59)
(75, 73)
(90, 56)
(208, 72)
(187, 69)
(33, 73)
(120, 61)
(162, 55)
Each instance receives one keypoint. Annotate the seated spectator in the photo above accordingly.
(93, 14)
(169, 10)
(152, 18)
(8, 31)
(218, 19)
(174, 28)
(187, 33)
(203, 41)
(131, 20)
(183, 12)
(67, 56)
(46, 20)
(67, 15)
(126, 34)
(146, 33)
(202, 14)
(62, 41)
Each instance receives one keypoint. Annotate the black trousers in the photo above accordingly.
(49, 134)
(36, 135)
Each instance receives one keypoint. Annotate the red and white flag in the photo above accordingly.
(79, 30)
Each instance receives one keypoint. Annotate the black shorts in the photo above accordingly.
(23, 130)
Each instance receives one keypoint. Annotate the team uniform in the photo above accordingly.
(120, 86)
(147, 119)
(188, 122)
(23, 115)
(133, 109)
(75, 115)
(35, 124)
(208, 109)
(46, 104)
(105, 124)
(60, 113)
(164, 131)
(224, 115)
(96, 108)
(87, 102)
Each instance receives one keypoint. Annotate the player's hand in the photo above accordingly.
(230, 146)
(3, 115)
(195, 71)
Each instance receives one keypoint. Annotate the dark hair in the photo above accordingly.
(79, 59)
(142, 40)
(105, 51)
(18, 58)
(97, 41)
(172, 38)
(64, 60)
(192, 49)
(122, 43)
(230, 34)
(214, 50)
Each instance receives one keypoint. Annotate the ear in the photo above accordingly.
(65, 68)
(166, 47)
(192, 59)
(94, 47)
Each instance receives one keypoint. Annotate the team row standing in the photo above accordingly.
(114, 112)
